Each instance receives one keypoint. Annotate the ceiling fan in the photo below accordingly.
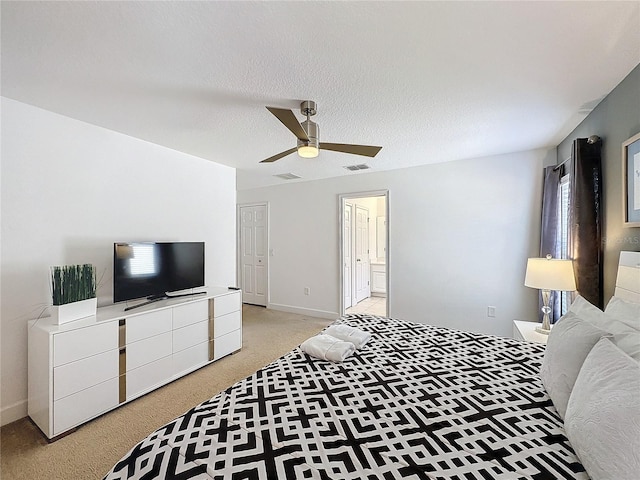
(308, 134)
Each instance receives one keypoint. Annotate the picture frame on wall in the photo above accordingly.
(631, 181)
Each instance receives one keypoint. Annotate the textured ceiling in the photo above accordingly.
(428, 81)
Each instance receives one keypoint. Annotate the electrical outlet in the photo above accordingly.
(491, 311)
(307, 291)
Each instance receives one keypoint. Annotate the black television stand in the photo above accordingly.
(157, 298)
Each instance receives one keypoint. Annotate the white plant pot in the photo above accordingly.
(74, 311)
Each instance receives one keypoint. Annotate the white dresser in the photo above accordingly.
(82, 369)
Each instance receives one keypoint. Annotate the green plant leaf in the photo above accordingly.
(72, 283)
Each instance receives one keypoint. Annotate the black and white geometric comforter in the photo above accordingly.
(417, 401)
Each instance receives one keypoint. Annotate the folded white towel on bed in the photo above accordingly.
(349, 334)
(326, 347)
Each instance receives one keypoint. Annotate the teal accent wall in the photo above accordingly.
(615, 119)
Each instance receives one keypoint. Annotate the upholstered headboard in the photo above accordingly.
(628, 279)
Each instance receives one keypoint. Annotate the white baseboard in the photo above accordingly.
(13, 412)
(303, 311)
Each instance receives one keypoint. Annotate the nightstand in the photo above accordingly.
(527, 331)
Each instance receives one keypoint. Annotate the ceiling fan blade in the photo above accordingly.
(290, 121)
(365, 150)
(279, 155)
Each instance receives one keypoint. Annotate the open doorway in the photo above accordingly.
(364, 252)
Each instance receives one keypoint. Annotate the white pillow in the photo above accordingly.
(569, 343)
(625, 337)
(624, 311)
(629, 343)
(602, 420)
(585, 310)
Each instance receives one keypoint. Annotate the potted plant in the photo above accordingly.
(73, 291)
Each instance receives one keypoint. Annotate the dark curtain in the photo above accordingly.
(549, 231)
(585, 217)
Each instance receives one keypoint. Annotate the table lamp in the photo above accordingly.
(549, 274)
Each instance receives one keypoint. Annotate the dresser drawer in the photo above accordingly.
(148, 377)
(190, 335)
(227, 344)
(148, 325)
(226, 324)
(84, 342)
(227, 304)
(190, 358)
(82, 374)
(148, 350)
(81, 406)
(190, 313)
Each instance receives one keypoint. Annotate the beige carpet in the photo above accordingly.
(91, 451)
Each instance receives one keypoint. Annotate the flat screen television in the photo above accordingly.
(153, 269)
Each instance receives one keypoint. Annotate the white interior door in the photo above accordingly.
(363, 289)
(253, 254)
(347, 248)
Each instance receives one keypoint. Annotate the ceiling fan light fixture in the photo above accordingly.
(308, 151)
(307, 133)
(309, 148)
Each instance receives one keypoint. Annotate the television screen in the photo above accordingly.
(151, 269)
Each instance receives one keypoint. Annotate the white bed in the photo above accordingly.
(418, 401)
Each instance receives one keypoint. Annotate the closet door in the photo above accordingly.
(253, 254)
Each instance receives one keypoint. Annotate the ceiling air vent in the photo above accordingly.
(354, 168)
(287, 176)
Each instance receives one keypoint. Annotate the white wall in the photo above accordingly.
(460, 234)
(69, 190)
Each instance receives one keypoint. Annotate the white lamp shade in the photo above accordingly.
(550, 274)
